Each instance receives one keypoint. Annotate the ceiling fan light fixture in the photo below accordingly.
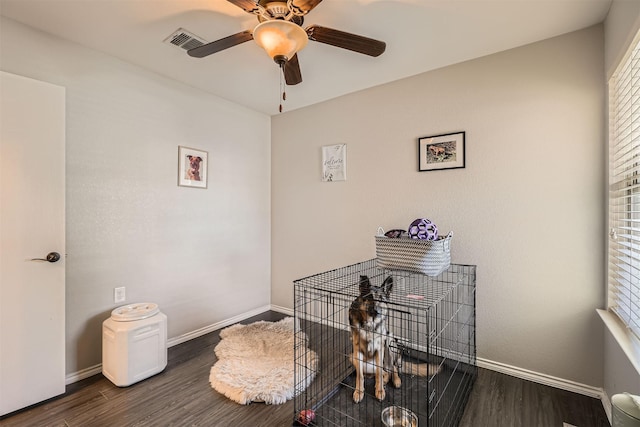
(280, 39)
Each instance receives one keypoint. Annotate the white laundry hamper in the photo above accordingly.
(134, 343)
(625, 410)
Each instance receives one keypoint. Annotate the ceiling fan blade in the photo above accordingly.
(222, 44)
(302, 7)
(344, 40)
(249, 6)
(292, 74)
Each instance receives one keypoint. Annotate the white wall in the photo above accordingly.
(202, 255)
(620, 27)
(527, 209)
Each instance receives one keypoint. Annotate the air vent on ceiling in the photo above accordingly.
(184, 39)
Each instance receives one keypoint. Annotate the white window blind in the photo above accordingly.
(624, 189)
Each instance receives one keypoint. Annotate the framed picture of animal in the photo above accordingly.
(192, 167)
(441, 152)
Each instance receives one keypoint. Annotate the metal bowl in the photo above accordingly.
(397, 416)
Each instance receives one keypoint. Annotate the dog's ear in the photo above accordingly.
(387, 285)
(199, 158)
(189, 156)
(365, 286)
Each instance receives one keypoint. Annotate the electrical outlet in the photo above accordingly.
(119, 294)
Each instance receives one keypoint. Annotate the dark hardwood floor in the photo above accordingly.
(181, 396)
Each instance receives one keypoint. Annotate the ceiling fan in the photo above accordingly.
(281, 34)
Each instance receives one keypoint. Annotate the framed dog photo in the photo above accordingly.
(441, 152)
(192, 167)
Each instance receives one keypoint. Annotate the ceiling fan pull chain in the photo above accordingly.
(282, 88)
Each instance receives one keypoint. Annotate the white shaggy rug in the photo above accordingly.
(256, 362)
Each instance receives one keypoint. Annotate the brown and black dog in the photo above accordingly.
(375, 351)
(193, 173)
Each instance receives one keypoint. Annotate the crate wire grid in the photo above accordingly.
(432, 320)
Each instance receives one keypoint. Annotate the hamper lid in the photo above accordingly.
(628, 404)
(138, 311)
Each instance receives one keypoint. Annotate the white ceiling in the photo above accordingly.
(421, 35)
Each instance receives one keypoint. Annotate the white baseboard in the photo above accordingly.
(214, 327)
(606, 403)
(539, 378)
(84, 373)
(283, 310)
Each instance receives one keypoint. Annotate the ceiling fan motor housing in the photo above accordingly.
(275, 9)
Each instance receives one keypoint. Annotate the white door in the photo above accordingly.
(32, 219)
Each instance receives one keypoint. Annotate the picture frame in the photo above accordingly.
(439, 152)
(334, 162)
(193, 167)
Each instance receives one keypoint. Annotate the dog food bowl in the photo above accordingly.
(397, 416)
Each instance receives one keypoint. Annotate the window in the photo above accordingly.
(624, 189)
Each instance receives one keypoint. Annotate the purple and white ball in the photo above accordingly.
(424, 229)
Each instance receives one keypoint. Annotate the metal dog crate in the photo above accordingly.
(432, 319)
